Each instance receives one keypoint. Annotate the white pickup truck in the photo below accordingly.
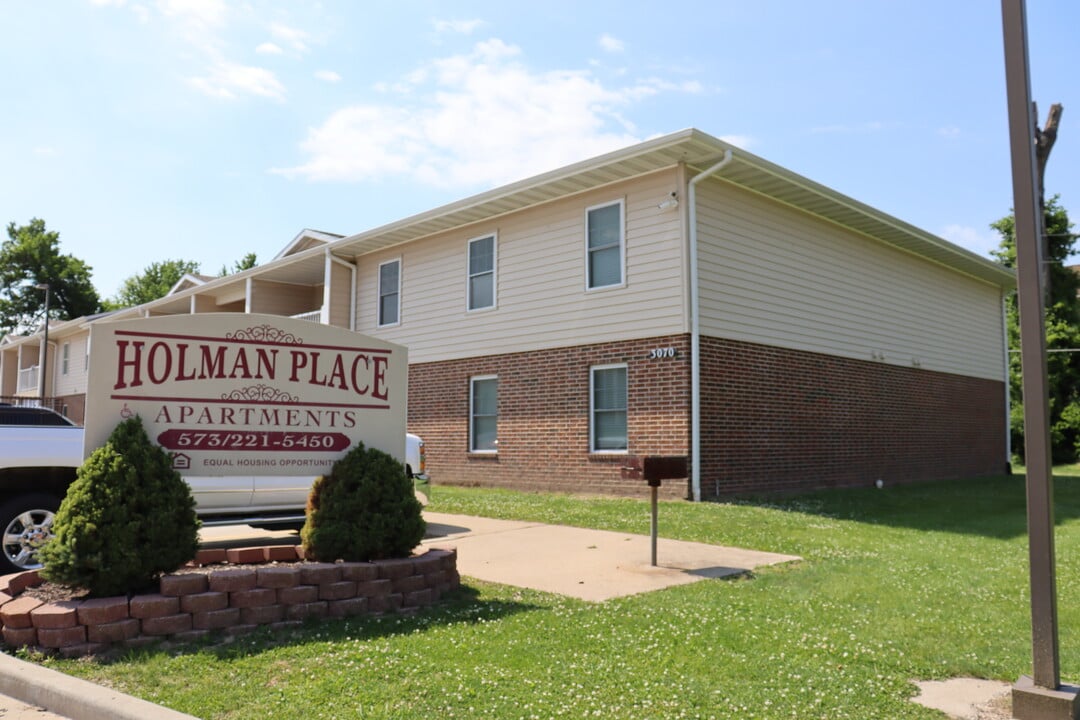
(40, 451)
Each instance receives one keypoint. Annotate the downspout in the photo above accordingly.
(695, 332)
(1008, 379)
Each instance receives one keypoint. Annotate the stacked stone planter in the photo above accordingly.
(225, 591)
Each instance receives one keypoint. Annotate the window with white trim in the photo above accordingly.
(65, 358)
(482, 273)
(604, 246)
(607, 409)
(484, 414)
(390, 293)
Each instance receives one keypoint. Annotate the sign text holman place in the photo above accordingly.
(242, 394)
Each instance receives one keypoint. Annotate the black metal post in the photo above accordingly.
(43, 360)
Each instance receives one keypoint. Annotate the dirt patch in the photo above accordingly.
(967, 698)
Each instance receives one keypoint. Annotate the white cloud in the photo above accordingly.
(611, 44)
(977, 242)
(477, 119)
(269, 48)
(328, 75)
(227, 80)
(462, 27)
(740, 141)
(196, 20)
(293, 37)
(950, 131)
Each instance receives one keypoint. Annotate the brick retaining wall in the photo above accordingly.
(232, 599)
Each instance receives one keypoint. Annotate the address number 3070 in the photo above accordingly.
(662, 353)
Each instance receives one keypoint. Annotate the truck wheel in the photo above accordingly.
(26, 521)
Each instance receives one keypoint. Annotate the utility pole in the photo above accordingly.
(1042, 696)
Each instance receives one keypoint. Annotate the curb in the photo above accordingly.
(73, 697)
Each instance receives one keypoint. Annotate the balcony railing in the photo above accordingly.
(28, 379)
(313, 316)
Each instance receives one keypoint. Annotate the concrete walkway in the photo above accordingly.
(591, 565)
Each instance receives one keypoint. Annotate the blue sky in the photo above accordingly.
(200, 129)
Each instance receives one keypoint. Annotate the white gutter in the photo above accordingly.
(695, 333)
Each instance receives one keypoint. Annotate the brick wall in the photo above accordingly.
(780, 420)
(543, 423)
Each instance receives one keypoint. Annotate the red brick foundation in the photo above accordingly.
(781, 420)
(193, 604)
(544, 417)
(773, 420)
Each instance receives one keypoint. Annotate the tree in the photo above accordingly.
(1062, 334)
(30, 257)
(153, 282)
(245, 263)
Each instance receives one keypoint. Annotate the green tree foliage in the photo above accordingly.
(365, 509)
(153, 282)
(245, 263)
(1062, 334)
(127, 518)
(29, 257)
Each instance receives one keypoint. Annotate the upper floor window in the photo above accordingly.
(390, 292)
(482, 273)
(605, 245)
(65, 358)
(607, 405)
(484, 414)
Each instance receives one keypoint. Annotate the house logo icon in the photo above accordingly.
(180, 461)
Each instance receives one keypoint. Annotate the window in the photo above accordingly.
(65, 358)
(484, 414)
(482, 273)
(608, 409)
(604, 245)
(389, 292)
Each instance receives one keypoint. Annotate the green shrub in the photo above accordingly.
(365, 509)
(127, 518)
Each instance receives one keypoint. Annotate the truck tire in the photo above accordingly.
(26, 525)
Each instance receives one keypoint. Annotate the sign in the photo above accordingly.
(243, 394)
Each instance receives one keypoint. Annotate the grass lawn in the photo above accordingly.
(925, 582)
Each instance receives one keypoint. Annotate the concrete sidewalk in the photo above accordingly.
(591, 565)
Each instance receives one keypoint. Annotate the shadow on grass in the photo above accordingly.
(991, 507)
(462, 606)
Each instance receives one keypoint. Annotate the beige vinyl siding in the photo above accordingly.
(75, 380)
(275, 298)
(541, 296)
(340, 295)
(777, 276)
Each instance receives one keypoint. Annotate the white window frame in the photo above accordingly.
(379, 294)
(65, 358)
(622, 246)
(592, 409)
(472, 415)
(494, 273)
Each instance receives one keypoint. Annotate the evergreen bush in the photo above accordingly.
(127, 518)
(365, 509)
